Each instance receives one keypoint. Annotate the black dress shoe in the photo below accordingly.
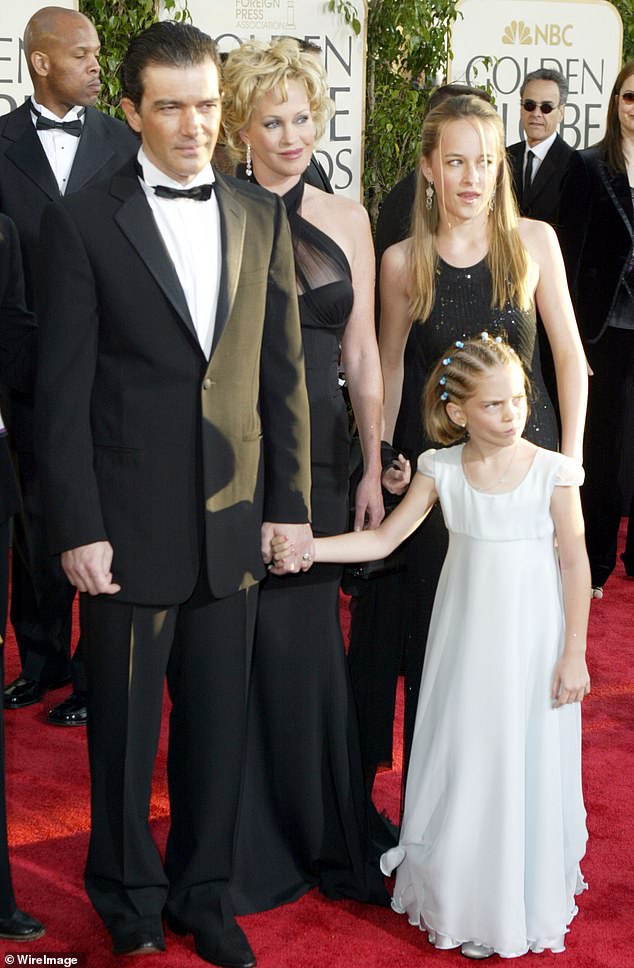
(139, 943)
(230, 949)
(22, 692)
(25, 692)
(71, 712)
(21, 927)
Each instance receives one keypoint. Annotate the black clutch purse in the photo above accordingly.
(368, 570)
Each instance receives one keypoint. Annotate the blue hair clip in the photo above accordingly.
(442, 381)
(484, 335)
(444, 395)
(459, 344)
(446, 361)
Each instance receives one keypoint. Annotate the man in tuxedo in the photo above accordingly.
(17, 364)
(538, 166)
(172, 420)
(54, 144)
(539, 163)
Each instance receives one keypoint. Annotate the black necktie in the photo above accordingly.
(46, 124)
(201, 193)
(528, 174)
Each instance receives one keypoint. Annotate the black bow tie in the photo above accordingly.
(46, 124)
(201, 193)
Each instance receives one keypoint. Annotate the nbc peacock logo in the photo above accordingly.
(517, 32)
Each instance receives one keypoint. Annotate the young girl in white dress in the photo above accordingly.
(494, 826)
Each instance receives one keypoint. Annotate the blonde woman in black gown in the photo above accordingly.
(304, 815)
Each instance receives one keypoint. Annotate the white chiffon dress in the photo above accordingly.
(494, 828)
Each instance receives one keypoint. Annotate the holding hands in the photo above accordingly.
(281, 552)
(296, 544)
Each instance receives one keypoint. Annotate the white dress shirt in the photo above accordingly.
(540, 150)
(59, 146)
(190, 230)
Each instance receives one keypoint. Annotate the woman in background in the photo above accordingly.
(597, 239)
(305, 818)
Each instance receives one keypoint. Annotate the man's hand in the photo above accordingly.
(301, 548)
(89, 568)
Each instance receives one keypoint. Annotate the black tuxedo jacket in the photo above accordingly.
(597, 238)
(28, 185)
(142, 441)
(17, 351)
(543, 199)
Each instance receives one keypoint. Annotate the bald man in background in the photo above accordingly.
(53, 144)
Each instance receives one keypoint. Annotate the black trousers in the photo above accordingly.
(204, 647)
(603, 500)
(41, 595)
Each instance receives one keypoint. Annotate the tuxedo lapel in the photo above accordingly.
(26, 152)
(136, 221)
(232, 230)
(94, 152)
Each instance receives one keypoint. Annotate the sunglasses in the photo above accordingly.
(628, 97)
(545, 107)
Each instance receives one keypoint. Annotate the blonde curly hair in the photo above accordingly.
(255, 69)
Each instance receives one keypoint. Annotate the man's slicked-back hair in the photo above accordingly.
(167, 43)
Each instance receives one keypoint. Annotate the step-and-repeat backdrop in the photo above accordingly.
(495, 42)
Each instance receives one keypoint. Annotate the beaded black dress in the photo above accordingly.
(462, 309)
(305, 818)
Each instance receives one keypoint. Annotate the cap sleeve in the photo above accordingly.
(569, 473)
(427, 463)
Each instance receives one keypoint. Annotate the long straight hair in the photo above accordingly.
(612, 142)
(507, 258)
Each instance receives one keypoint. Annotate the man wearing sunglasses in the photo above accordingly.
(539, 163)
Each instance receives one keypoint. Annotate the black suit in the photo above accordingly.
(542, 201)
(176, 461)
(42, 598)
(597, 239)
(17, 357)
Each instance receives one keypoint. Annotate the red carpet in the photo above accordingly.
(49, 817)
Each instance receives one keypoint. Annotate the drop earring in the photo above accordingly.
(429, 196)
(248, 167)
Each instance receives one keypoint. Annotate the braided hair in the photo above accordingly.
(455, 378)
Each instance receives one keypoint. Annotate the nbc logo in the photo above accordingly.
(553, 35)
(517, 33)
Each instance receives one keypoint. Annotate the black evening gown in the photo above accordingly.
(462, 308)
(305, 819)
